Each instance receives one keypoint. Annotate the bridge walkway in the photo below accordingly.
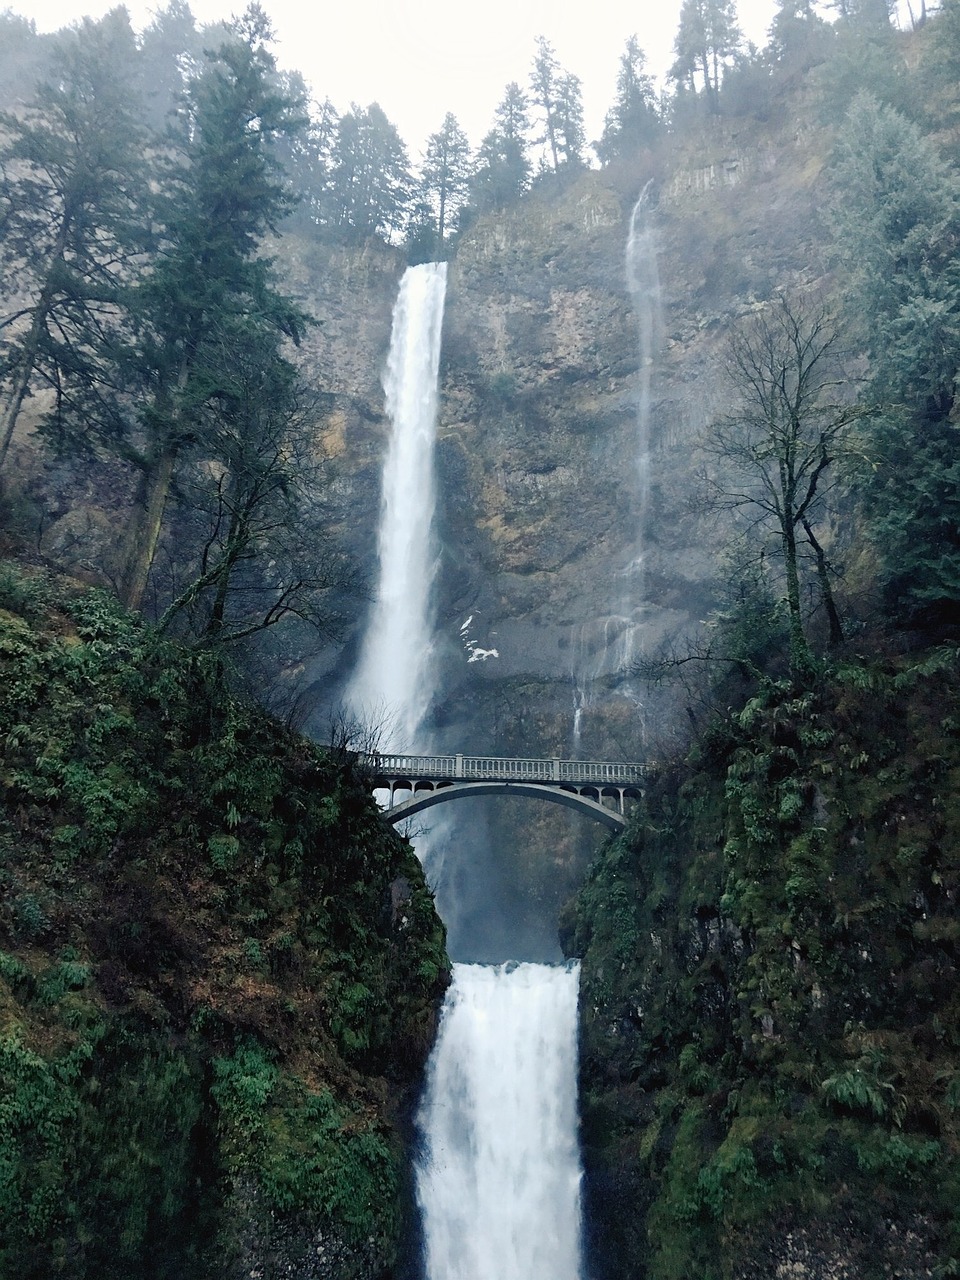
(598, 788)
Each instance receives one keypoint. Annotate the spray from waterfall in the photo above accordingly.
(499, 1179)
(393, 678)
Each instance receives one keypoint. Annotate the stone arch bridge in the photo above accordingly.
(596, 788)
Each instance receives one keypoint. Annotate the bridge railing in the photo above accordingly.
(507, 769)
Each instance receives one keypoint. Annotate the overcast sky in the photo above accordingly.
(422, 58)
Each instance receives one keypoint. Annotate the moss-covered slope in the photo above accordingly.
(771, 1008)
(218, 975)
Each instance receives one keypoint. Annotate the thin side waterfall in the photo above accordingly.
(499, 1182)
(610, 645)
(643, 282)
(393, 679)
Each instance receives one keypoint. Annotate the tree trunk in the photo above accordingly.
(31, 346)
(235, 544)
(552, 139)
(800, 656)
(826, 591)
(143, 528)
(18, 391)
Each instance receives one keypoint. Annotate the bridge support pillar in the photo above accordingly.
(556, 770)
(458, 770)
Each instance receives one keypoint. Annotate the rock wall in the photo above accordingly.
(544, 544)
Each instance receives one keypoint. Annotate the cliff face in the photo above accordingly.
(539, 434)
(569, 563)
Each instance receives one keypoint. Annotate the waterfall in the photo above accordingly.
(610, 645)
(393, 682)
(643, 282)
(499, 1180)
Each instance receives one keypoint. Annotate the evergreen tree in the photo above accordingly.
(707, 39)
(896, 215)
(221, 194)
(544, 86)
(571, 136)
(863, 56)
(941, 63)
(71, 192)
(502, 172)
(24, 57)
(307, 156)
(799, 37)
(864, 14)
(445, 175)
(633, 119)
(170, 50)
(370, 180)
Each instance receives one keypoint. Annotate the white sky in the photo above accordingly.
(422, 58)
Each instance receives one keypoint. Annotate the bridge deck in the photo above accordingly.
(484, 768)
(506, 769)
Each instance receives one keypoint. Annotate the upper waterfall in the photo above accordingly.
(392, 681)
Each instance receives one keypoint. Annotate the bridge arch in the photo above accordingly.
(421, 800)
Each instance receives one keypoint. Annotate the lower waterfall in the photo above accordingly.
(498, 1180)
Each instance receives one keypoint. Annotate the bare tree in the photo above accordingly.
(771, 454)
(252, 538)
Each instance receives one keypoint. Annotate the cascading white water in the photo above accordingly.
(610, 645)
(499, 1179)
(643, 282)
(499, 1183)
(392, 682)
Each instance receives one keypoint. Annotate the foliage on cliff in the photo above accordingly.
(770, 991)
(218, 969)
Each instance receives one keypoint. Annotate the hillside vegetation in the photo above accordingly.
(218, 969)
(770, 990)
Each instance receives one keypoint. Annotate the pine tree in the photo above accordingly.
(71, 204)
(544, 81)
(799, 37)
(370, 180)
(445, 175)
(896, 214)
(707, 39)
(221, 194)
(170, 50)
(502, 172)
(571, 136)
(633, 119)
(24, 57)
